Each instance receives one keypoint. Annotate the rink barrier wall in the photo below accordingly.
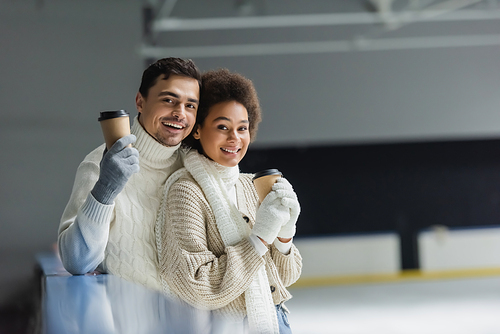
(445, 253)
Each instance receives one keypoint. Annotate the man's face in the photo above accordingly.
(168, 114)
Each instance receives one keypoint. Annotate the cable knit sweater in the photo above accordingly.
(200, 269)
(119, 238)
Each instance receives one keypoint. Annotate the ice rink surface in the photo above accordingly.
(458, 306)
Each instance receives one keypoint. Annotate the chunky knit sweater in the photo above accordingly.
(200, 269)
(118, 238)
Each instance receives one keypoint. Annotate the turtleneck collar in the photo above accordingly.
(195, 161)
(228, 175)
(151, 151)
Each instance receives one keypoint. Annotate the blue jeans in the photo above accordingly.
(283, 321)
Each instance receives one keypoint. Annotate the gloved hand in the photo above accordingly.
(117, 165)
(291, 201)
(271, 216)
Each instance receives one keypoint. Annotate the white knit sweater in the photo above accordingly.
(118, 238)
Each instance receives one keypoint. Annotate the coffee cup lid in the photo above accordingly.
(112, 114)
(265, 172)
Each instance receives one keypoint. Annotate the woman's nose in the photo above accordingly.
(233, 135)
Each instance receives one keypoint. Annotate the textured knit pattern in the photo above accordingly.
(215, 180)
(130, 249)
(200, 269)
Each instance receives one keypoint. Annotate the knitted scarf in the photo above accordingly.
(215, 180)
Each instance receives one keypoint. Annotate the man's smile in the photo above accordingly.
(174, 125)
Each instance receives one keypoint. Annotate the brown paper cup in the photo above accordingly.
(264, 180)
(114, 125)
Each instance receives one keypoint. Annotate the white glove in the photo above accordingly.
(291, 201)
(271, 216)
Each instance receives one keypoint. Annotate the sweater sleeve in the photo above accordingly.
(84, 227)
(289, 266)
(193, 268)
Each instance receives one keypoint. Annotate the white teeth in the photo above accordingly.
(177, 126)
(230, 151)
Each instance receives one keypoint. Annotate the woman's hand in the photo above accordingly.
(271, 216)
(291, 201)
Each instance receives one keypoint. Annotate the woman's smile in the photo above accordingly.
(230, 150)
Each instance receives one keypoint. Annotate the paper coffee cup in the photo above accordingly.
(114, 125)
(264, 180)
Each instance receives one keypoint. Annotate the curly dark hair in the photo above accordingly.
(222, 86)
(168, 66)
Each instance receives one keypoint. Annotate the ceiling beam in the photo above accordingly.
(286, 21)
(265, 49)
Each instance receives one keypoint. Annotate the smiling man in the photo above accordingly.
(167, 111)
(108, 223)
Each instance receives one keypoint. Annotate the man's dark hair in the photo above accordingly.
(168, 66)
(223, 86)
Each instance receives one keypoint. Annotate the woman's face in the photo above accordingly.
(224, 135)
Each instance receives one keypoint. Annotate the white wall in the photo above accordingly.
(384, 96)
(442, 249)
(60, 65)
(351, 255)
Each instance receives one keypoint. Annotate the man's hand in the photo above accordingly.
(117, 165)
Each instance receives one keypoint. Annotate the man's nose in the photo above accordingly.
(179, 111)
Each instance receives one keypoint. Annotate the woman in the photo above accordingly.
(218, 248)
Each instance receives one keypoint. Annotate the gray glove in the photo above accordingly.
(117, 165)
(291, 201)
(271, 215)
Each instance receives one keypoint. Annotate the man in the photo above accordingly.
(108, 222)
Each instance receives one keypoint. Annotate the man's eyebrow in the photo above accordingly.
(167, 93)
(223, 118)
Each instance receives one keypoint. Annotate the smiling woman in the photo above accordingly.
(219, 249)
(224, 136)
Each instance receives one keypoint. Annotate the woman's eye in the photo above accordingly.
(168, 100)
(243, 128)
(191, 106)
(221, 127)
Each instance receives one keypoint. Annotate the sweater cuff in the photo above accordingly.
(97, 213)
(283, 247)
(257, 244)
